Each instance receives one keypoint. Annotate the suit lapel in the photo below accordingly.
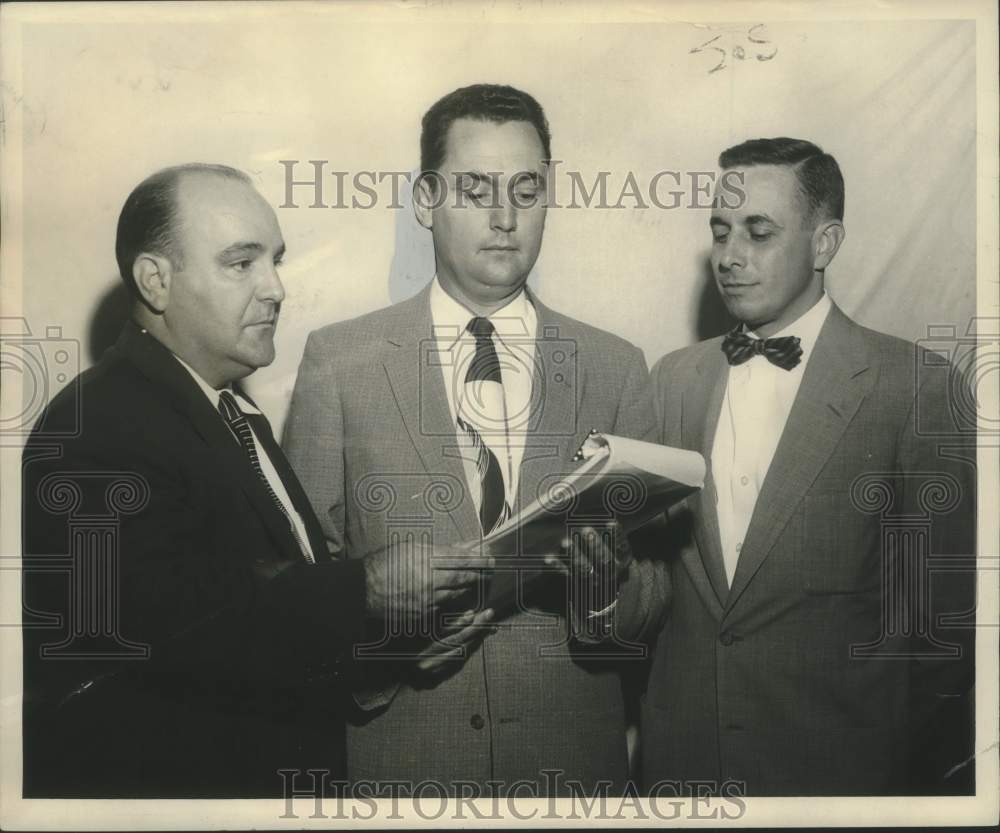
(557, 391)
(413, 370)
(157, 363)
(699, 422)
(262, 429)
(833, 386)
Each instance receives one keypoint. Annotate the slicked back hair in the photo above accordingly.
(818, 173)
(497, 103)
(148, 220)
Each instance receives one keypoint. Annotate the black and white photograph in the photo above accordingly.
(483, 414)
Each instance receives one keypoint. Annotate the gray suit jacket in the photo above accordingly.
(371, 436)
(815, 673)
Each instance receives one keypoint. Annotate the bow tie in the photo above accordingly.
(783, 352)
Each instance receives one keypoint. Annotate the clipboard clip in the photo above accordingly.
(592, 444)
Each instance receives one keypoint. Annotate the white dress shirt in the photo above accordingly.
(265, 461)
(755, 408)
(515, 328)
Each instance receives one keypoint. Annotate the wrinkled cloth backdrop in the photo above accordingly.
(105, 103)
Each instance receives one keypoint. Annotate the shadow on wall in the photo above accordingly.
(412, 264)
(713, 319)
(110, 315)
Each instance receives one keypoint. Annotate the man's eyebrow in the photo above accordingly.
(755, 219)
(241, 248)
(475, 178)
(528, 176)
(716, 220)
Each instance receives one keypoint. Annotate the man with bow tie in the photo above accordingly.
(184, 624)
(809, 649)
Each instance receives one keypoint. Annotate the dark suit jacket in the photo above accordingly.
(371, 435)
(176, 642)
(769, 683)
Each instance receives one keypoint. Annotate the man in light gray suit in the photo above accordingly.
(438, 418)
(809, 649)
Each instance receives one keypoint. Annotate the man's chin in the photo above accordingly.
(506, 283)
(485, 288)
(737, 311)
(255, 359)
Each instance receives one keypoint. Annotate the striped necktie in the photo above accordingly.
(237, 421)
(482, 411)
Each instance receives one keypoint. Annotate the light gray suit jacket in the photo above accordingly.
(770, 684)
(372, 438)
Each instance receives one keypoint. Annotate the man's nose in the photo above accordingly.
(731, 257)
(271, 288)
(503, 217)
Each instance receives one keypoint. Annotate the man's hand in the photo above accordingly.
(410, 583)
(595, 560)
(452, 647)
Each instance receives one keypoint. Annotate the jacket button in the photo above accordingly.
(476, 721)
(726, 638)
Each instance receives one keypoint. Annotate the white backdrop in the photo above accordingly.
(109, 98)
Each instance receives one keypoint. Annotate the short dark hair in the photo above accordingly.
(496, 103)
(147, 222)
(818, 173)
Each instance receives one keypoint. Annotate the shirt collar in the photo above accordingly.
(517, 318)
(213, 395)
(806, 327)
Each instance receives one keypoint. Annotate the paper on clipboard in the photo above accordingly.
(630, 481)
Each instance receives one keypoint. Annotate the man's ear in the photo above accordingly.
(153, 275)
(426, 197)
(826, 241)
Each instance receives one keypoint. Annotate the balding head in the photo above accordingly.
(148, 220)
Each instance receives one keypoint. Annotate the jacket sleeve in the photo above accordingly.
(644, 596)
(937, 468)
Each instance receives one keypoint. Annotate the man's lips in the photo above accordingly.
(499, 248)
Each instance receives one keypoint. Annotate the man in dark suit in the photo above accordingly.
(441, 416)
(184, 622)
(808, 650)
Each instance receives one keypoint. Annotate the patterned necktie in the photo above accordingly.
(237, 421)
(783, 352)
(482, 406)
